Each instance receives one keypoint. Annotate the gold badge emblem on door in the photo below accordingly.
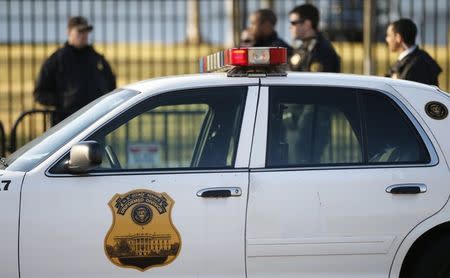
(142, 234)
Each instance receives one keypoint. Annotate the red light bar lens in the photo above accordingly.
(238, 57)
(278, 56)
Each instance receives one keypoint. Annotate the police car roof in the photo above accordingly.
(180, 82)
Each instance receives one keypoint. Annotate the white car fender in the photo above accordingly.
(439, 218)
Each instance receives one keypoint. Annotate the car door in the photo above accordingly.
(339, 176)
(10, 185)
(169, 198)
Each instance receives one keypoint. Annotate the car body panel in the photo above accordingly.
(72, 213)
(10, 188)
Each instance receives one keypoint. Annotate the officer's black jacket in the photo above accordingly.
(322, 57)
(274, 41)
(417, 66)
(71, 77)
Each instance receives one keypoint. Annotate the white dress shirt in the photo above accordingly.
(407, 51)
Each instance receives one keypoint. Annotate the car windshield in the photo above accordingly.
(36, 151)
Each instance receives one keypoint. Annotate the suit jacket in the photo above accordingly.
(417, 66)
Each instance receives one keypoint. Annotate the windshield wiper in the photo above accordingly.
(3, 163)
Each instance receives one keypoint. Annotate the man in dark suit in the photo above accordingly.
(262, 30)
(413, 63)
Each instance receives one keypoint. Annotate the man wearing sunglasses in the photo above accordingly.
(312, 52)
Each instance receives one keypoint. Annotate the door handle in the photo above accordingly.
(220, 192)
(407, 188)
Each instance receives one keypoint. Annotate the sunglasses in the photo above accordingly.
(300, 21)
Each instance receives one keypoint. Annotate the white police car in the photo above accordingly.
(304, 175)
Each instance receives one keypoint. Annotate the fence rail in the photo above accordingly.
(34, 128)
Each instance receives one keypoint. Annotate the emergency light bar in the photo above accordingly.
(252, 61)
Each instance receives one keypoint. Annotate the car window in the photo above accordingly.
(317, 126)
(391, 137)
(178, 130)
(313, 126)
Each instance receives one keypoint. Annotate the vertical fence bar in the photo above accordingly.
(369, 59)
(126, 56)
(351, 27)
(140, 42)
(447, 43)
(164, 45)
(115, 39)
(45, 28)
(208, 29)
(140, 39)
(127, 48)
(386, 51)
(243, 13)
(177, 51)
(237, 24)
(92, 19)
(114, 51)
(435, 31)
(153, 33)
(192, 52)
(184, 43)
(57, 23)
(149, 49)
(329, 22)
(422, 25)
(9, 62)
(33, 44)
(21, 61)
(200, 22)
(344, 34)
(158, 48)
(104, 28)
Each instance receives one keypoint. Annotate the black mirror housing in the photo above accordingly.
(85, 156)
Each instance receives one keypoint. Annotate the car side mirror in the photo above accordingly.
(85, 156)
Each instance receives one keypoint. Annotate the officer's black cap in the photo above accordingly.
(80, 23)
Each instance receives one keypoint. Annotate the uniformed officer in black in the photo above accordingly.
(312, 52)
(262, 30)
(413, 63)
(75, 74)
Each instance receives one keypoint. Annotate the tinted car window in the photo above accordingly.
(313, 126)
(391, 138)
(178, 130)
(317, 126)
